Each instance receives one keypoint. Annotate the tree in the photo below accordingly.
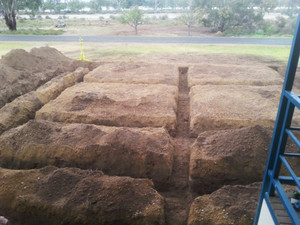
(96, 5)
(189, 18)
(241, 15)
(75, 6)
(132, 17)
(8, 10)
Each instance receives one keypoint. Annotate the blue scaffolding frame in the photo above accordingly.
(272, 182)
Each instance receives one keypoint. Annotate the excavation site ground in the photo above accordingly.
(162, 140)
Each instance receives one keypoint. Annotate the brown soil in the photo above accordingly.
(23, 108)
(178, 198)
(230, 205)
(145, 152)
(229, 157)
(115, 104)
(67, 196)
(78, 197)
(218, 74)
(134, 73)
(217, 107)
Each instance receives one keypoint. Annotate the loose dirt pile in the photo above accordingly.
(230, 205)
(22, 72)
(23, 108)
(78, 197)
(115, 104)
(217, 107)
(146, 152)
(134, 73)
(219, 74)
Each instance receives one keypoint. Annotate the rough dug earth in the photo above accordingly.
(230, 205)
(228, 157)
(79, 197)
(134, 73)
(23, 108)
(115, 104)
(54, 87)
(135, 152)
(219, 74)
(22, 72)
(218, 107)
(19, 111)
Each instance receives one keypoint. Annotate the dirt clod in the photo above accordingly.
(228, 157)
(79, 197)
(145, 152)
(230, 205)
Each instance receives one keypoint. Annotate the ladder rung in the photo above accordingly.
(292, 154)
(293, 137)
(287, 180)
(294, 99)
(295, 128)
(290, 170)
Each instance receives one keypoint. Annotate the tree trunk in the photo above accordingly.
(10, 20)
(189, 30)
(135, 29)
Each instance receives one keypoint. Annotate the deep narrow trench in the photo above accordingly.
(179, 198)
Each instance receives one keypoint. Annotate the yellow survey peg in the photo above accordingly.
(82, 57)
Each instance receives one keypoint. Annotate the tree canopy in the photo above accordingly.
(8, 9)
(132, 17)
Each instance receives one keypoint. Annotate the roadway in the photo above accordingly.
(138, 39)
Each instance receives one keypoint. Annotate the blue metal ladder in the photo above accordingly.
(272, 183)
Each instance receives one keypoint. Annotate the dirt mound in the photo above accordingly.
(115, 104)
(37, 60)
(218, 107)
(73, 196)
(23, 108)
(134, 152)
(228, 157)
(229, 205)
(134, 73)
(22, 72)
(219, 74)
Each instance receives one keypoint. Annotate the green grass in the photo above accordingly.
(134, 50)
(32, 32)
(5, 47)
(108, 51)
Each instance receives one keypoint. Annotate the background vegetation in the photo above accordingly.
(225, 17)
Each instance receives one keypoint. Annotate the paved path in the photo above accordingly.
(190, 40)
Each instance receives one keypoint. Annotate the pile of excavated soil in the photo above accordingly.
(115, 104)
(218, 107)
(134, 73)
(22, 72)
(23, 108)
(135, 152)
(228, 157)
(230, 205)
(72, 196)
(219, 74)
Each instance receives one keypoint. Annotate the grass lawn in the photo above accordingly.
(100, 51)
(119, 51)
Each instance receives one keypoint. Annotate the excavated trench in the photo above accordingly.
(178, 191)
(179, 198)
